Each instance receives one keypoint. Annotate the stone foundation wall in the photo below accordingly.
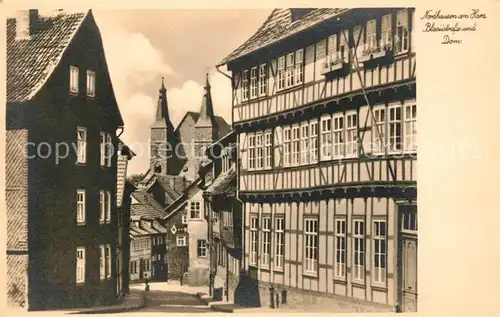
(198, 276)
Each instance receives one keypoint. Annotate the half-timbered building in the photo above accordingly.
(324, 107)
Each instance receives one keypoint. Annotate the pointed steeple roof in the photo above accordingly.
(207, 117)
(162, 118)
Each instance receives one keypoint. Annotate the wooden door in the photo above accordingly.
(407, 259)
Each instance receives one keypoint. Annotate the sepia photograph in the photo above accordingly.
(211, 161)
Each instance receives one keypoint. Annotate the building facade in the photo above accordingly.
(61, 211)
(325, 115)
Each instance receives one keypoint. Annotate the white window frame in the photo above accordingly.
(251, 152)
(268, 149)
(395, 136)
(266, 242)
(311, 244)
(279, 243)
(340, 248)
(102, 206)
(103, 148)
(280, 73)
(81, 136)
(109, 149)
(227, 219)
(90, 83)
(184, 217)
(245, 85)
(102, 262)
(357, 34)
(351, 134)
(74, 74)
(378, 126)
(253, 82)
(410, 128)
(181, 241)
(313, 133)
(299, 67)
(386, 31)
(295, 155)
(290, 70)
(326, 137)
(262, 80)
(358, 242)
(371, 36)
(259, 149)
(287, 146)
(80, 265)
(195, 209)
(305, 148)
(201, 248)
(409, 221)
(338, 139)
(343, 50)
(254, 227)
(80, 206)
(379, 251)
(402, 32)
(108, 206)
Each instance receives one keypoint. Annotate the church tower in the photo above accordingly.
(162, 141)
(206, 128)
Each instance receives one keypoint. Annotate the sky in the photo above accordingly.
(141, 47)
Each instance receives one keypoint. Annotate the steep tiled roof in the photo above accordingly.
(146, 211)
(223, 184)
(278, 26)
(158, 227)
(146, 226)
(31, 62)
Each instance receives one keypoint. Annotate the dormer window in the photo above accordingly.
(73, 79)
(90, 83)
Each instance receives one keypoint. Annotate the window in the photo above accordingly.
(184, 217)
(90, 83)
(290, 70)
(379, 251)
(287, 147)
(147, 265)
(262, 80)
(331, 54)
(105, 206)
(341, 54)
(254, 225)
(394, 122)
(338, 136)
(133, 267)
(340, 252)
(359, 249)
(299, 66)
(386, 30)
(251, 152)
(82, 145)
(245, 84)
(314, 141)
(108, 206)
(202, 248)
(266, 241)
(103, 148)
(402, 34)
(227, 218)
(410, 128)
(357, 36)
(351, 131)
(73, 79)
(80, 206)
(109, 149)
(379, 130)
(268, 149)
(281, 72)
(260, 155)
(80, 265)
(279, 238)
(195, 209)
(253, 82)
(295, 145)
(409, 220)
(311, 245)
(304, 143)
(181, 241)
(326, 138)
(105, 261)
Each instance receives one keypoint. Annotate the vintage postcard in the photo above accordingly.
(242, 160)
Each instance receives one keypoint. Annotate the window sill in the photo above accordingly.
(74, 93)
(80, 284)
(81, 224)
(90, 96)
(340, 280)
(81, 164)
(359, 283)
(278, 270)
(379, 287)
(310, 275)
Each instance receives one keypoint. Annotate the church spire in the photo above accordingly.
(162, 117)
(207, 116)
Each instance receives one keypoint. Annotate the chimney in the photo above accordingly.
(26, 23)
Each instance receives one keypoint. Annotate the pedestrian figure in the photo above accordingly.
(146, 280)
(397, 308)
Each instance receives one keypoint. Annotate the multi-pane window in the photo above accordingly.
(331, 55)
(340, 248)
(409, 220)
(73, 79)
(81, 145)
(80, 206)
(260, 151)
(326, 138)
(109, 149)
(304, 143)
(227, 218)
(279, 240)
(290, 69)
(410, 127)
(379, 254)
(253, 82)
(104, 206)
(371, 36)
(108, 206)
(359, 250)
(386, 30)
(378, 130)
(343, 47)
(287, 146)
(351, 131)
(268, 149)
(184, 217)
(181, 241)
(266, 241)
(195, 208)
(262, 80)
(313, 129)
(295, 145)
(90, 83)
(402, 33)
(251, 152)
(281, 72)
(357, 37)
(394, 122)
(202, 248)
(103, 148)
(311, 245)
(299, 66)
(254, 225)
(80, 265)
(338, 136)
(105, 261)
(245, 84)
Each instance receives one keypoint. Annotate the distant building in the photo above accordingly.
(62, 217)
(324, 108)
